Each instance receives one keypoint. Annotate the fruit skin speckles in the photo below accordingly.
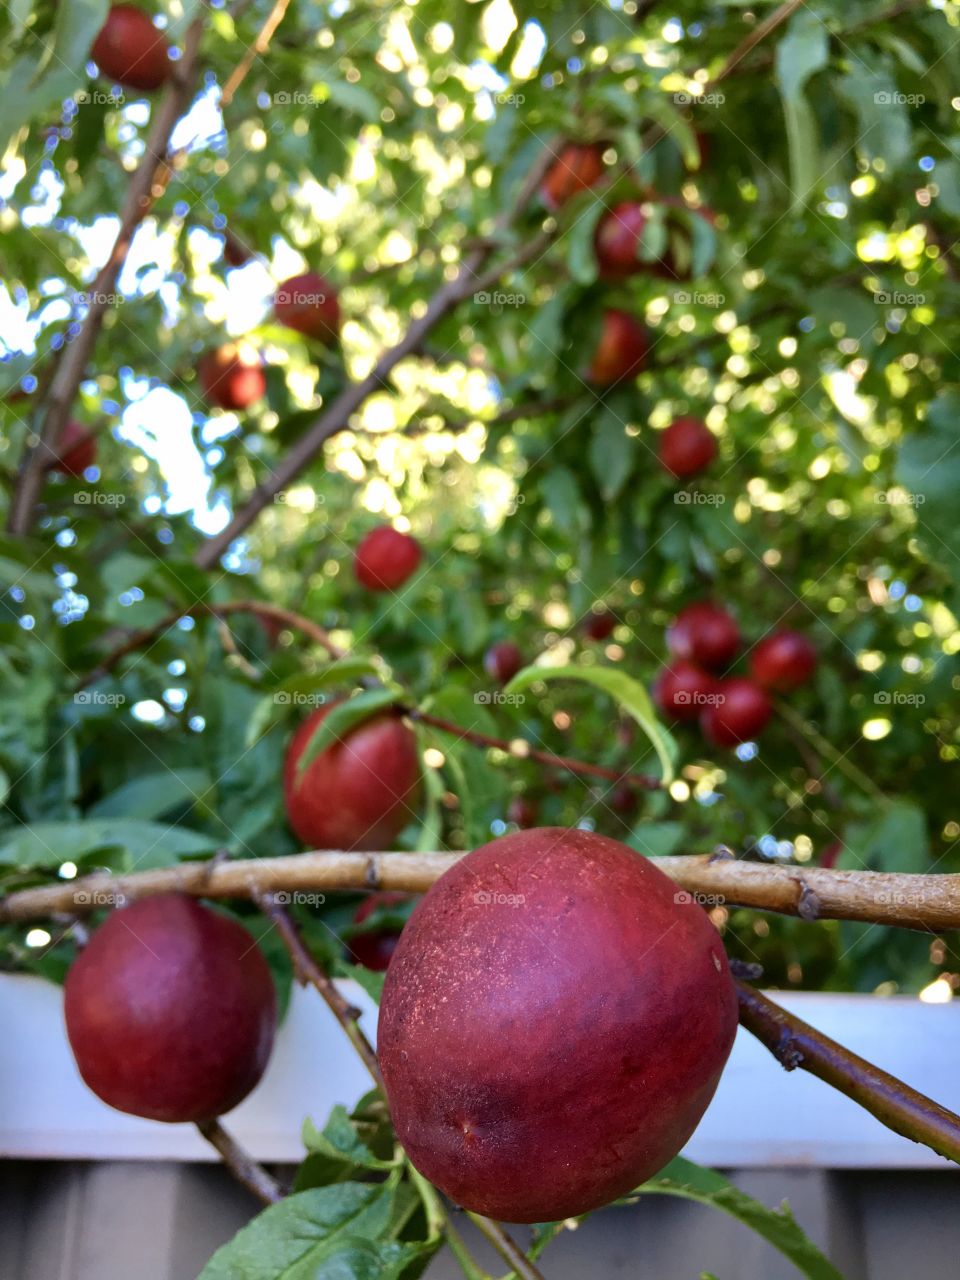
(543, 929)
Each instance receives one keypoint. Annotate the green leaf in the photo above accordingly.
(47, 844)
(896, 840)
(341, 1232)
(40, 80)
(656, 839)
(884, 125)
(342, 719)
(295, 691)
(612, 454)
(929, 466)
(628, 693)
(562, 495)
(354, 99)
(581, 255)
(368, 979)
(153, 794)
(800, 54)
(340, 1140)
(777, 1226)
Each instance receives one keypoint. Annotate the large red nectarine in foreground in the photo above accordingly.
(554, 1022)
(360, 791)
(170, 1010)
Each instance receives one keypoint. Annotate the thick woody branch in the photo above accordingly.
(926, 902)
(240, 1163)
(149, 180)
(470, 278)
(795, 1043)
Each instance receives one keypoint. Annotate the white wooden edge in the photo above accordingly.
(761, 1116)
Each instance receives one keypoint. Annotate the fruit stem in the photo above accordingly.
(308, 971)
(240, 1163)
(507, 1247)
(522, 750)
(795, 1043)
(439, 1223)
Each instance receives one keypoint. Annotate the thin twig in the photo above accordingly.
(149, 180)
(308, 971)
(795, 1043)
(256, 50)
(507, 1248)
(930, 903)
(240, 1163)
(522, 750)
(754, 37)
(269, 612)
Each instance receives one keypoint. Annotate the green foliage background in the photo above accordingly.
(378, 142)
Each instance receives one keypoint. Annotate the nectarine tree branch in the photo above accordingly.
(930, 903)
(755, 36)
(307, 970)
(148, 180)
(269, 612)
(259, 47)
(795, 1043)
(337, 417)
(523, 751)
(240, 1163)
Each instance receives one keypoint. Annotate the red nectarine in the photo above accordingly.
(386, 558)
(359, 792)
(554, 1021)
(170, 1010)
(130, 50)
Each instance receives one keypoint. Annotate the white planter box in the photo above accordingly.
(761, 1117)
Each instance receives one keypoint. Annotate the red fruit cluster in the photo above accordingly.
(386, 558)
(359, 792)
(130, 50)
(704, 640)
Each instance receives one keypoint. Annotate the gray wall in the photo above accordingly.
(138, 1221)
